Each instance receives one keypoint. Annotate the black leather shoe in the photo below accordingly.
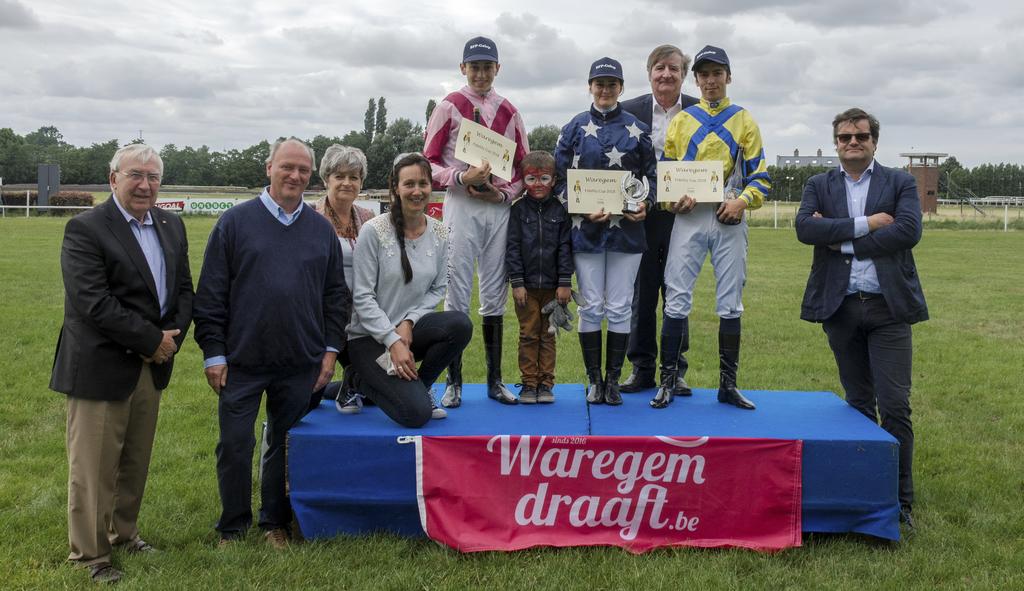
(731, 395)
(638, 381)
(906, 517)
(595, 392)
(681, 387)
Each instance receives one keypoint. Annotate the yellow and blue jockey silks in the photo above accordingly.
(726, 132)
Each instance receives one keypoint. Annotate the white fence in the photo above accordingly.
(188, 205)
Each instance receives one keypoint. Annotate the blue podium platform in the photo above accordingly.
(348, 473)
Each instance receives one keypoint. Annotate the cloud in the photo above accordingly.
(645, 33)
(526, 47)
(126, 78)
(865, 13)
(202, 36)
(940, 75)
(14, 15)
(372, 47)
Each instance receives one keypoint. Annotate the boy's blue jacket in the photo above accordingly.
(539, 250)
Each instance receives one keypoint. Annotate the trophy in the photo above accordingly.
(634, 192)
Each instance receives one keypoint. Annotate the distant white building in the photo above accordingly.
(798, 161)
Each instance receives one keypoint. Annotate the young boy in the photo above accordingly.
(539, 261)
(476, 206)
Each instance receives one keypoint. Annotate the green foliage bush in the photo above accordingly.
(18, 198)
(68, 199)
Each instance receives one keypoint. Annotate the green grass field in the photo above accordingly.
(968, 416)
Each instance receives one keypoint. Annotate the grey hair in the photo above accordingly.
(274, 147)
(338, 158)
(140, 152)
(663, 51)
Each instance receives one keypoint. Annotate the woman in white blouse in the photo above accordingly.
(400, 276)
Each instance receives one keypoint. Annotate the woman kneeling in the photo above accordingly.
(401, 272)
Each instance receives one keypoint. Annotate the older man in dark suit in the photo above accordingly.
(863, 220)
(666, 67)
(127, 307)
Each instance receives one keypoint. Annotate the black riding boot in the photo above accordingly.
(590, 343)
(452, 397)
(671, 351)
(496, 390)
(616, 344)
(681, 387)
(728, 364)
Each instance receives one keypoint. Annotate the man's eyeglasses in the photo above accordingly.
(138, 177)
(844, 138)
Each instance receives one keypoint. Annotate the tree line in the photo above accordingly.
(381, 141)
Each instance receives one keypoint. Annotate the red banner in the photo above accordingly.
(509, 492)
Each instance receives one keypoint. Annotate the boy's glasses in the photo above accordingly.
(844, 138)
(533, 179)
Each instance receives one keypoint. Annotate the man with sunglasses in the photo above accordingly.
(863, 219)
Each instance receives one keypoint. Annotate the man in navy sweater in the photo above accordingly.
(271, 308)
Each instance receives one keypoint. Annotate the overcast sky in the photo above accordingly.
(941, 75)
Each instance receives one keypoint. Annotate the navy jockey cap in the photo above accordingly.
(480, 49)
(606, 67)
(710, 53)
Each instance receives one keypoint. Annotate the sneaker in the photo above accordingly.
(545, 395)
(528, 395)
(277, 538)
(436, 412)
(349, 403)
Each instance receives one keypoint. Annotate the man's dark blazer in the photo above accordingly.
(642, 106)
(891, 191)
(111, 311)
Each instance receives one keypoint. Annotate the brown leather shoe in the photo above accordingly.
(278, 538)
(226, 542)
(138, 546)
(104, 574)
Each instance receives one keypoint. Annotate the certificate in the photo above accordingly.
(701, 180)
(477, 143)
(587, 191)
